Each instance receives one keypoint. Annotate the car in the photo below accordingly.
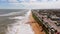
(57, 23)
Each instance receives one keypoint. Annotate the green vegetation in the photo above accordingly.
(40, 23)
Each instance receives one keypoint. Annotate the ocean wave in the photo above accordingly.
(12, 13)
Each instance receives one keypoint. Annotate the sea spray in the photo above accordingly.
(20, 27)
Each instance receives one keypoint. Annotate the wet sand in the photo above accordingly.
(36, 28)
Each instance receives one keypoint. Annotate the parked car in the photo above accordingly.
(57, 23)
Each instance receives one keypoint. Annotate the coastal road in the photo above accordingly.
(36, 28)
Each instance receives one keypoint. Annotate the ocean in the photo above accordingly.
(13, 21)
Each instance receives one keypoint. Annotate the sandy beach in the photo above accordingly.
(36, 28)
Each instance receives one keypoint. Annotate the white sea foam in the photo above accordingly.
(20, 27)
(12, 13)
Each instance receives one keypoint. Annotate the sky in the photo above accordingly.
(29, 4)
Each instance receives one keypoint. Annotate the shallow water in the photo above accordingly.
(13, 21)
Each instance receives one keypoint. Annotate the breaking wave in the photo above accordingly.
(20, 26)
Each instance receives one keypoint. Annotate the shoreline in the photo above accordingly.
(35, 26)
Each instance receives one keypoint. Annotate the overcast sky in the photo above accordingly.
(29, 4)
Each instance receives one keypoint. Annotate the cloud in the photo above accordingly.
(13, 1)
(30, 5)
(46, 5)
